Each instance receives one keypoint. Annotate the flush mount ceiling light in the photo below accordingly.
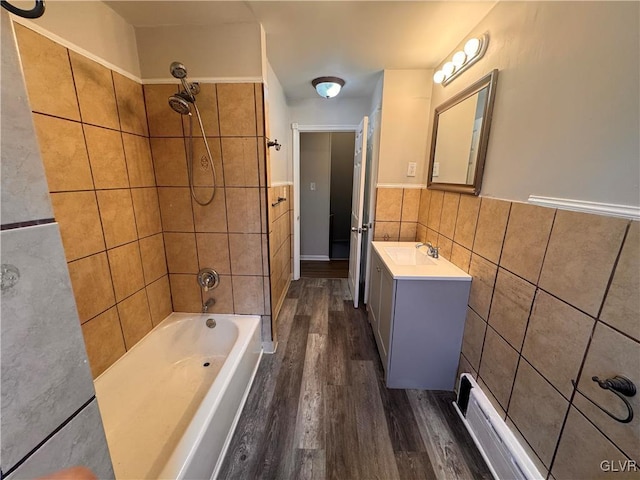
(327, 87)
(473, 51)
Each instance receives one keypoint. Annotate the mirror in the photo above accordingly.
(460, 136)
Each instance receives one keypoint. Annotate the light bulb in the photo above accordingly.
(472, 47)
(439, 76)
(448, 68)
(459, 58)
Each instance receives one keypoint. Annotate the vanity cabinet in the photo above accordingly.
(418, 321)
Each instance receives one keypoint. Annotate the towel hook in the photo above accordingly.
(36, 12)
(620, 386)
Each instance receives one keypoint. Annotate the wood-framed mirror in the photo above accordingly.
(460, 137)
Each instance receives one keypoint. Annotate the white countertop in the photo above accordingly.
(427, 268)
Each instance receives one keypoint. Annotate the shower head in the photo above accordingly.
(178, 70)
(180, 104)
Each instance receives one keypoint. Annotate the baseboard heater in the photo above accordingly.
(505, 457)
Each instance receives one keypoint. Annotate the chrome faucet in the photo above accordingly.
(432, 252)
(209, 303)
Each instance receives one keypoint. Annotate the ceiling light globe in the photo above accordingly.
(438, 77)
(328, 87)
(459, 59)
(472, 47)
(448, 68)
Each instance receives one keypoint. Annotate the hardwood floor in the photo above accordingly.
(318, 408)
(330, 269)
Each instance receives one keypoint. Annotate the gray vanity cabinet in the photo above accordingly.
(418, 325)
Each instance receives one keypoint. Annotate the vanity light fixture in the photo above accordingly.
(473, 51)
(327, 87)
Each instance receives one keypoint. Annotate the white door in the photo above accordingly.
(357, 207)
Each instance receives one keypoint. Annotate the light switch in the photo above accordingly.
(411, 169)
(312, 186)
(436, 169)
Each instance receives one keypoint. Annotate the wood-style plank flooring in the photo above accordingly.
(330, 269)
(318, 408)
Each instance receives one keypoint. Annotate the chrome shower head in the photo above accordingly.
(178, 70)
(180, 104)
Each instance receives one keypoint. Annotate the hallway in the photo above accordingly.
(318, 408)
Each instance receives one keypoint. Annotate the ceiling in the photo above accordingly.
(351, 39)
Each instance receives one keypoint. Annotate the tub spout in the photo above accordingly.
(209, 303)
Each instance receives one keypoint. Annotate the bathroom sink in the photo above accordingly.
(408, 256)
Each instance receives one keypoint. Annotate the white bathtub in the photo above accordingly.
(166, 414)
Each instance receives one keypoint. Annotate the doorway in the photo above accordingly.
(326, 183)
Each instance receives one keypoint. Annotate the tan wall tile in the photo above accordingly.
(410, 205)
(473, 338)
(421, 233)
(264, 164)
(556, 340)
(147, 211)
(135, 318)
(538, 411)
(265, 252)
(202, 173)
(139, 163)
(260, 109)
(425, 204)
(126, 270)
(465, 367)
(533, 456)
(408, 231)
(460, 257)
(484, 277)
(223, 295)
(450, 204)
(249, 297)
(388, 204)
(212, 217)
(170, 162)
(432, 236)
(159, 296)
(133, 116)
(154, 261)
(103, 340)
(526, 240)
(611, 354)
(467, 220)
(106, 155)
(213, 252)
(162, 120)
(207, 101)
(236, 108)
(435, 210)
(185, 293)
(92, 287)
(175, 209)
(181, 252)
(118, 220)
(386, 231)
(492, 399)
(243, 210)
(96, 96)
(498, 366)
(580, 257)
(581, 451)
(510, 307)
(492, 224)
(246, 254)
(445, 246)
(79, 220)
(622, 305)
(240, 158)
(64, 154)
(47, 73)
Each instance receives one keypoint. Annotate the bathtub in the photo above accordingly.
(170, 404)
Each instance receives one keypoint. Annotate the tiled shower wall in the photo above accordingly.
(92, 131)
(230, 234)
(280, 241)
(555, 297)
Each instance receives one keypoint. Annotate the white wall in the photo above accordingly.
(315, 166)
(91, 26)
(406, 103)
(278, 128)
(333, 111)
(226, 51)
(566, 118)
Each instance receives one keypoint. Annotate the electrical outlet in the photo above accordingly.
(436, 169)
(411, 169)
(312, 186)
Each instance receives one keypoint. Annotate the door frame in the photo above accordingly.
(297, 129)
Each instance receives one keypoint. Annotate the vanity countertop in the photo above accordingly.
(406, 262)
